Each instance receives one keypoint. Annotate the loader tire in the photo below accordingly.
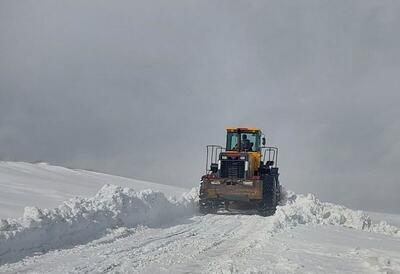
(267, 206)
(206, 206)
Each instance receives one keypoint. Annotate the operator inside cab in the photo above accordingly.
(246, 144)
(249, 140)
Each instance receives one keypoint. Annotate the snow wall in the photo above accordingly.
(79, 221)
(298, 209)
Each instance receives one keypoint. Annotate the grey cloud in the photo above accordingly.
(139, 88)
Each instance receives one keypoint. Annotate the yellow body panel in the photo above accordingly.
(254, 161)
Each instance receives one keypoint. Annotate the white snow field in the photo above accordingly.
(46, 186)
(121, 230)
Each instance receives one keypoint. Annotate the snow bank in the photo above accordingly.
(307, 209)
(47, 186)
(79, 220)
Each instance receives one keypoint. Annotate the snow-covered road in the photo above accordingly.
(224, 244)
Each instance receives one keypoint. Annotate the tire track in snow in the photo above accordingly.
(143, 250)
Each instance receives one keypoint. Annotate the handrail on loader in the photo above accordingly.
(213, 152)
(272, 153)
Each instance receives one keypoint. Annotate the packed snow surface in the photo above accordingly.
(122, 230)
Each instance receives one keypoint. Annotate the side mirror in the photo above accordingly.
(263, 141)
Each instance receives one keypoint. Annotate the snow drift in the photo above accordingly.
(300, 209)
(47, 186)
(79, 220)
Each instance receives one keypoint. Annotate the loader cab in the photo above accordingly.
(243, 139)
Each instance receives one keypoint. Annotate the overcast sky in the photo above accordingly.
(139, 88)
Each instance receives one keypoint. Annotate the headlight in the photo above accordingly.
(215, 182)
(224, 157)
(248, 183)
(242, 157)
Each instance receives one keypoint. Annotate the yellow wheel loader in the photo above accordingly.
(242, 175)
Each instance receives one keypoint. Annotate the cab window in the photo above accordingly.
(249, 141)
(232, 141)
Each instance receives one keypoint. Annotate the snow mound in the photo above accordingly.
(47, 186)
(80, 220)
(307, 209)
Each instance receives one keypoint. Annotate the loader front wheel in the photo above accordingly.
(207, 207)
(267, 206)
